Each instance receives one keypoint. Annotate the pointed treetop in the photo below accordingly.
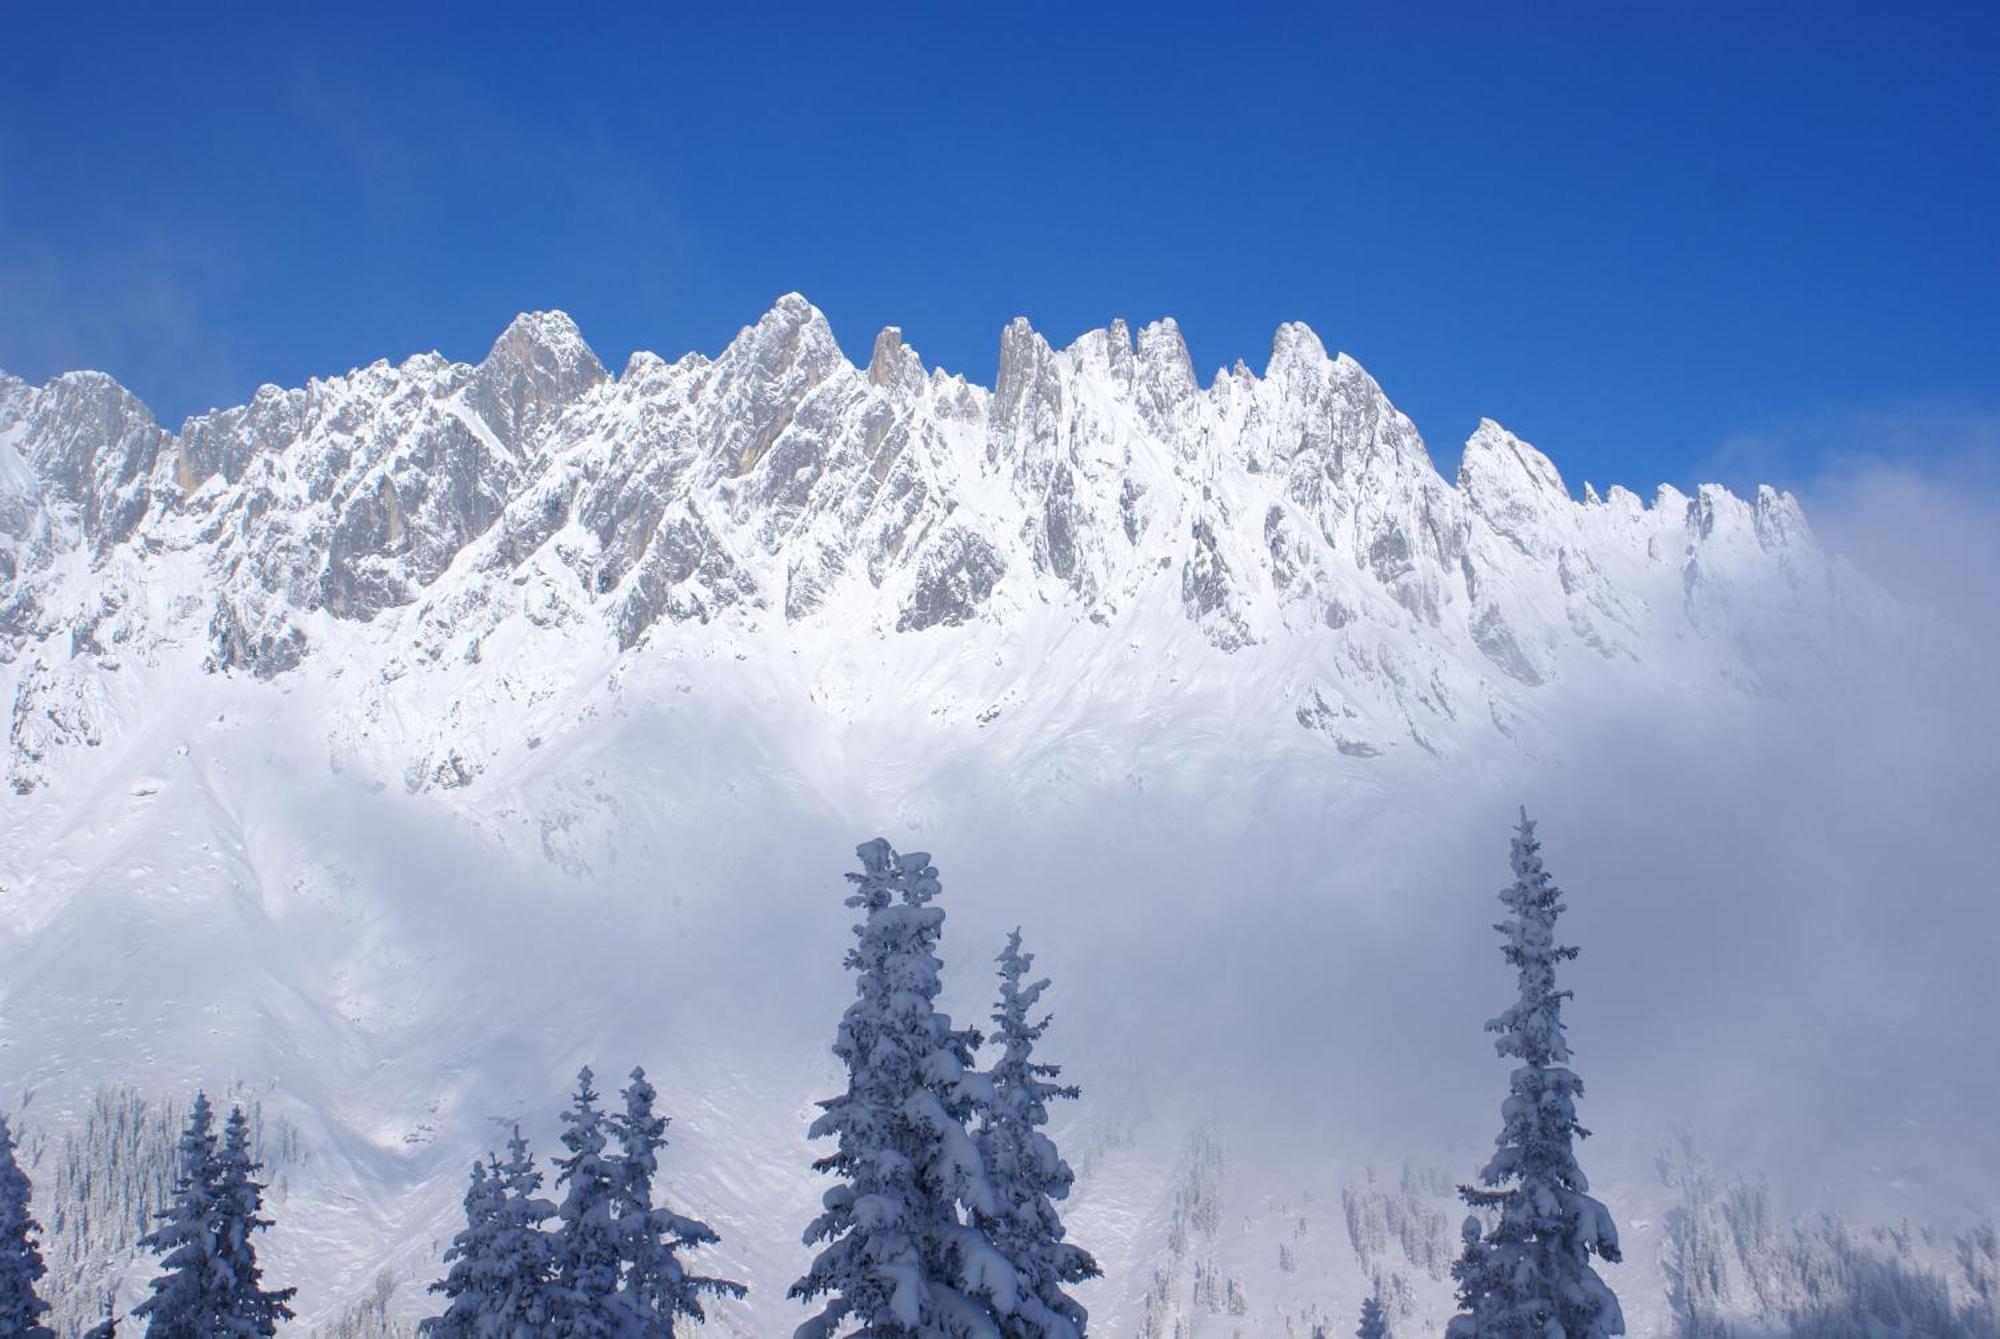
(1016, 1000)
(641, 1132)
(517, 1147)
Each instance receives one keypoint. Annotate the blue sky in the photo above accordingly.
(1663, 242)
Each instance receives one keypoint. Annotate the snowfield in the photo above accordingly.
(382, 750)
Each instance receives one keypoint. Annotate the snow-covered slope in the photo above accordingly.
(392, 744)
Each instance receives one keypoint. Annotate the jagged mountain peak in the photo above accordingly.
(1294, 344)
(1106, 351)
(1499, 469)
(77, 402)
(794, 312)
(795, 307)
(1491, 438)
(791, 341)
(1163, 348)
(1024, 358)
(551, 330)
(538, 367)
(892, 363)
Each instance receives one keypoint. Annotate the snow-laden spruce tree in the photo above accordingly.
(584, 1297)
(656, 1286)
(191, 1292)
(500, 1270)
(899, 1262)
(1530, 1273)
(1022, 1165)
(471, 1259)
(210, 1282)
(523, 1253)
(21, 1267)
(251, 1307)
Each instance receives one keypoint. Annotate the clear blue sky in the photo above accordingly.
(1660, 241)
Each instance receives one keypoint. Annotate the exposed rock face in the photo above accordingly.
(779, 485)
(95, 450)
(538, 367)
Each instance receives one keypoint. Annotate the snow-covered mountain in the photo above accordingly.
(419, 511)
(391, 744)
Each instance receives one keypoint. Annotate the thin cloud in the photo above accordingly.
(141, 321)
(1910, 494)
(1913, 499)
(1945, 437)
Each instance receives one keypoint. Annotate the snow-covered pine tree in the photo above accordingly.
(501, 1264)
(251, 1307)
(898, 1261)
(1374, 1320)
(1026, 1172)
(524, 1253)
(191, 1289)
(209, 1281)
(471, 1275)
(584, 1298)
(1530, 1275)
(656, 1285)
(21, 1267)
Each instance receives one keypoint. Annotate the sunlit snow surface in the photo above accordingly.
(1244, 783)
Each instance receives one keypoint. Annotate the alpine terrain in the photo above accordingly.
(383, 750)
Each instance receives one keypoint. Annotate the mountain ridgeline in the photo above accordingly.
(779, 488)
